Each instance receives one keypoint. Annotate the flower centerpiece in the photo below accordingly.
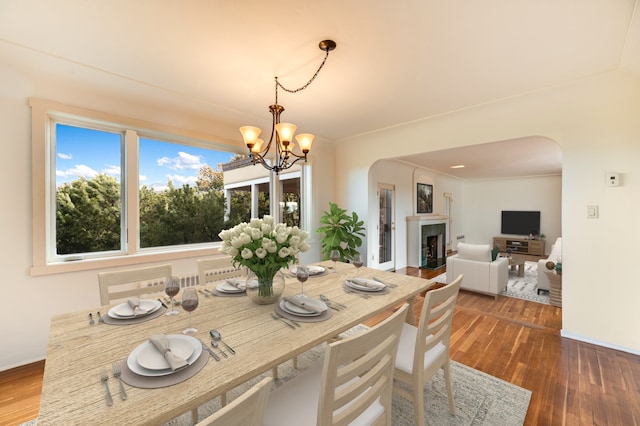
(264, 247)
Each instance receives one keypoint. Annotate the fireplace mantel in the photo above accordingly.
(417, 253)
(432, 218)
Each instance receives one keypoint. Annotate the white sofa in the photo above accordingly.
(556, 252)
(480, 273)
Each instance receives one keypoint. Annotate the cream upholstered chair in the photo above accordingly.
(482, 274)
(354, 386)
(119, 285)
(216, 269)
(424, 350)
(246, 410)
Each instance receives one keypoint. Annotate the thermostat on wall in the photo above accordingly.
(613, 179)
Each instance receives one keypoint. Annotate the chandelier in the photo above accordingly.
(282, 133)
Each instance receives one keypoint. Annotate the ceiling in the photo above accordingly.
(395, 62)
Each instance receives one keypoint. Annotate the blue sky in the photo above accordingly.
(86, 152)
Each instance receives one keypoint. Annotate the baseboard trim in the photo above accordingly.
(574, 336)
(20, 364)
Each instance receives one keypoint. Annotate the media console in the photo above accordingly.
(520, 245)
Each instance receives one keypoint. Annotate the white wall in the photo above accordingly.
(595, 122)
(485, 200)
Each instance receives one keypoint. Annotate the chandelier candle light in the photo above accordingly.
(264, 247)
(285, 156)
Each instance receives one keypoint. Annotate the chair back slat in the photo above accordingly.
(217, 269)
(120, 285)
(246, 410)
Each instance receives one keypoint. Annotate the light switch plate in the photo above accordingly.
(592, 212)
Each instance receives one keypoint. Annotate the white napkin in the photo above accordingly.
(307, 303)
(238, 283)
(311, 269)
(362, 282)
(134, 302)
(161, 343)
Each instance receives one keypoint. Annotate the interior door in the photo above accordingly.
(386, 227)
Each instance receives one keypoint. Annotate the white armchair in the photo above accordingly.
(480, 273)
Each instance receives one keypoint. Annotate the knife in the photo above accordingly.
(284, 321)
(212, 353)
(385, 283)
(162, 303)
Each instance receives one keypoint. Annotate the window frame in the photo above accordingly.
(44, 114)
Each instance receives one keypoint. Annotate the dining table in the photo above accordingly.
(79, 350)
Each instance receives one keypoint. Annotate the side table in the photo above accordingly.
(555, 288)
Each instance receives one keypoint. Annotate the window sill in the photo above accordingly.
(136, 259)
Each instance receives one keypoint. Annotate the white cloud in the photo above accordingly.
(79, 170)
(65, 156)
(142, 178)
(179, 180)
(159, 187)
(183, 161)
(111, 170)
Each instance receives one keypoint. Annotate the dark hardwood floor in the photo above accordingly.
(572, 383)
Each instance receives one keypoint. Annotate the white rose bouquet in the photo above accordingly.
(263, 246)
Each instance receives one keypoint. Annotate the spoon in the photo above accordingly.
(91, 320)
(100, 319)
(215, 345)
(215, 335)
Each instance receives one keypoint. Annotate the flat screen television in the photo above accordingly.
(520, 222)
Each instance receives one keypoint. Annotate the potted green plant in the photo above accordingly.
(341, 231)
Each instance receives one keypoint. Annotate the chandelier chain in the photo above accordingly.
(308, 82)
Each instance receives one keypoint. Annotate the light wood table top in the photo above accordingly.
(72, 392)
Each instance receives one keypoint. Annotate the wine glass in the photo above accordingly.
(335, 256)
(171, 288)
(189, 304)
(357, 262)
(302, 274)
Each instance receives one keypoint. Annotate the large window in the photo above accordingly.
(104, 189)
(179, 194)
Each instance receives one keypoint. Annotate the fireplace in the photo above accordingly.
(433, 248)
(427, 238)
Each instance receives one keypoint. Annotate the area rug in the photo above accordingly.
(519, 287)
(480, 399)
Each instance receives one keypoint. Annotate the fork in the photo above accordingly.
(100, 319)
(115, 368)
(105, 377)
(203, 292)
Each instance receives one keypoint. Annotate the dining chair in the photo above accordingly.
(216, 269)
(119, 285)
(353, 386)
(246, 410)
(423, 350)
